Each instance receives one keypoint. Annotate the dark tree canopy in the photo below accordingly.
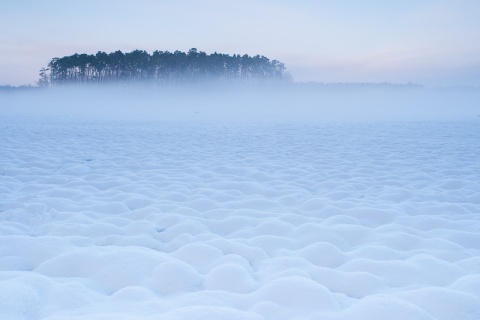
(160, 67)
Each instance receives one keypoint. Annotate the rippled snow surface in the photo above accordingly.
(130, 220)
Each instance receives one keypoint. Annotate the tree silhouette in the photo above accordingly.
(160, 68)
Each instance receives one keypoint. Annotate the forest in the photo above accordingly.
(160, 67)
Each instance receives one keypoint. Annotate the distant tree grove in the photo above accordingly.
(160, 67)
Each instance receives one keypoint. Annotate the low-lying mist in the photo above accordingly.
(262, 103)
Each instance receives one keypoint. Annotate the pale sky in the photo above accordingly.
(430, 42)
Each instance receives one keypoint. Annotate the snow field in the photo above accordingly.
(130, 220)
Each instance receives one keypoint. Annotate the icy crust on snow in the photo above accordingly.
(184, 221)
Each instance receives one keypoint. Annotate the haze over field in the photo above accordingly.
(316, 103)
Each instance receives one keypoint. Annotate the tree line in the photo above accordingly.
(160, 67)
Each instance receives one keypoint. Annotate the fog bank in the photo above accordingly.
(298, 102)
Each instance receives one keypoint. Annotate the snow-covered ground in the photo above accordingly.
(177, 221)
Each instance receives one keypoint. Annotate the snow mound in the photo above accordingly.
(267, 221)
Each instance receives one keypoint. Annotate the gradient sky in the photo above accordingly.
(430, 42)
